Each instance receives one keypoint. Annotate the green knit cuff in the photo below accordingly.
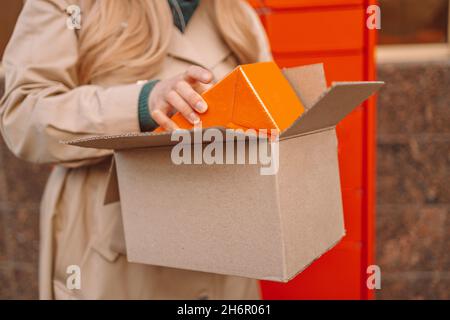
(146, 122)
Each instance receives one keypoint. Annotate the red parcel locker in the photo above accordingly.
(333, 32)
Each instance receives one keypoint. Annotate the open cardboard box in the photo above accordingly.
(230, 219)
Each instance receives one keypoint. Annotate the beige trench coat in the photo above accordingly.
(44, 104)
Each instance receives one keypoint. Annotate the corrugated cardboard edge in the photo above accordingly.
(281, 221)
(90, 142)
(143, 140)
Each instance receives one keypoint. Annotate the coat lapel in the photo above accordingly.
(181, 48)
(201, 44)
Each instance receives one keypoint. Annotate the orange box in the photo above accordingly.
(253, 96)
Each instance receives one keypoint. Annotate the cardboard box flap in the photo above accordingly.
(309, 82)
(141, 140)
(334, 104)
(123, 141)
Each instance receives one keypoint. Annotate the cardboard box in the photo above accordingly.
(245, 99)
(230, 219)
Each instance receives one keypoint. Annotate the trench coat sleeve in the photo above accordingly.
(43, 102)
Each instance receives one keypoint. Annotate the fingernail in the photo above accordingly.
(206, 77)
(194, 119)
(201, 107)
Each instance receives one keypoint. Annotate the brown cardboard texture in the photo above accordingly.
(230, 219)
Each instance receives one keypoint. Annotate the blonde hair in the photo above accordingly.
(130, 38)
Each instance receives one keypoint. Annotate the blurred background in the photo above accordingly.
(394, 154)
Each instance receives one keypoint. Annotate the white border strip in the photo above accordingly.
(413, 53)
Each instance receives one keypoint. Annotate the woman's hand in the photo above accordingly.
(180, 93)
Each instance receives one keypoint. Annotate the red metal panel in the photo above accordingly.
(334, 32)
(369, 152)
(336, 66)
(336, 275)
(353, 208)
(350, 138)
(315, 30)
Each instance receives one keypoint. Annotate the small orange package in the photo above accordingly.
(253, 96)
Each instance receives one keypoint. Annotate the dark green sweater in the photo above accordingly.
(187, 7)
